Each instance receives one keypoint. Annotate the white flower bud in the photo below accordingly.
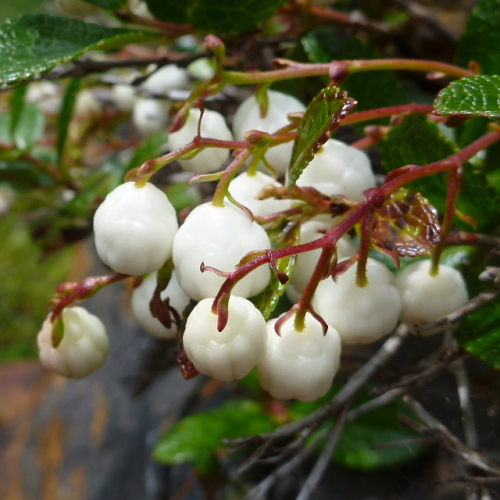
(232, 353)
(46, 95)
(124, 97)
(141, 298)
(360, 314)
(339, 169)
(428, 298)
(86, 104)
(219, 237)
(299, 365)
(135, 228)
(166, 79)
(244, 189)
(150, 115)
(247, 117)
(213, 126)
(83, 348)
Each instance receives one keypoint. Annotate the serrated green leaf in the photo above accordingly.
(481, 38)
(417, 141)
(378, 89)
(321, 117)
(480, 334)
(219, 16)
(29, 128)
(67, 107)
(36, 43)
(196, 438)
(355, 447)
(471, 96)
(22, 175)
(108, 4)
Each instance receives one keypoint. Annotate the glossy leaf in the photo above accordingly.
(322, 116)
(36, 43)
(197, 438)
(68, 105)
(406, 224)
(376, 427)
(480, 334)
(380, 426)
(373, 90)
(219, 16)
(471, 96)
(481, 38)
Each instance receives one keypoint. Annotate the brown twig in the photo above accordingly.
(427, 375)
(434, 428)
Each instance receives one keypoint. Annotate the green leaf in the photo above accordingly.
(480, 334)
(321, 117)
(22, 175)
(30, 127)
(417, 141)
(375, 427)
(471, 96)
(197, 438)
(152, 147)
(36, 43)
(481, 38)
(108, 4)
(219, 16)
(68, 105)
(17, 106)
(378, 427)
(375, 90)
(182, 195)
(281, 236)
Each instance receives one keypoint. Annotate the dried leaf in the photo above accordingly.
(407, 224)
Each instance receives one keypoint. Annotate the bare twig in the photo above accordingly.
(260, 491)
(324, 459)
(427, 375)
(452, 319)
(443, 435)
(468, 419)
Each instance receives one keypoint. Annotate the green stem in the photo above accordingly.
(228, 176)
(302, 70)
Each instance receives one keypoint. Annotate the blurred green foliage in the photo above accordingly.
(13, 9)
(26, 285)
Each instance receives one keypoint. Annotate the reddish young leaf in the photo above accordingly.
(407, 225)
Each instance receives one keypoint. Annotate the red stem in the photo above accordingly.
(373, 114)
(417, 172)
(449, 214)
